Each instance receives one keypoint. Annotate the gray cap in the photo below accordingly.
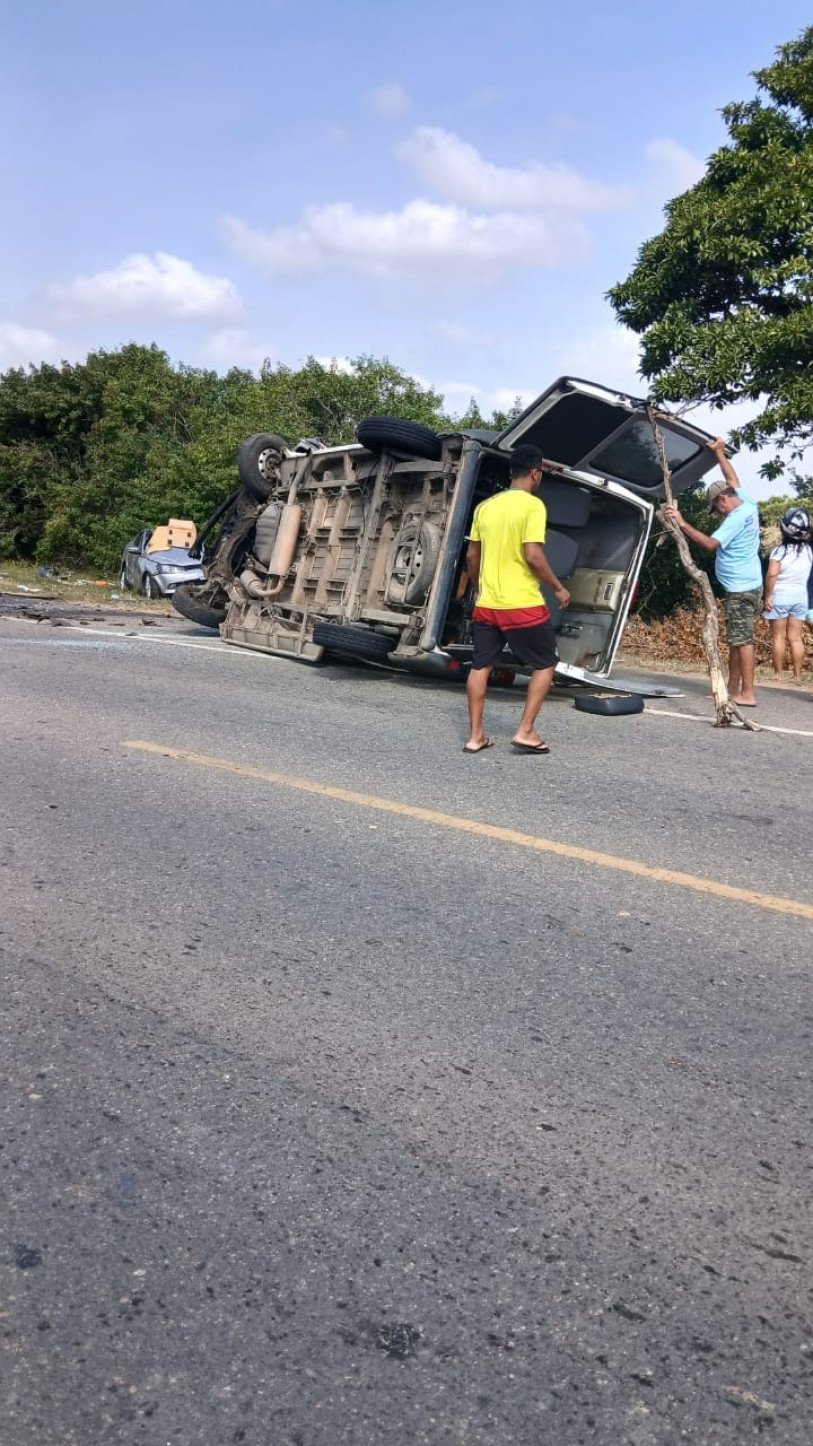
(715, 490)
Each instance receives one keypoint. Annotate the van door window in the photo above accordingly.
(633, 454)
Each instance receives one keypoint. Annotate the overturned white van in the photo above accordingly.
(359, 550)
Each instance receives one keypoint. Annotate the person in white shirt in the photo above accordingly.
(785, 603)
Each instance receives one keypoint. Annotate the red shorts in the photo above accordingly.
(506, 618)
(531, 640)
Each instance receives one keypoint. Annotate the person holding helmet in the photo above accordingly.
(737, 566)
(786, 591)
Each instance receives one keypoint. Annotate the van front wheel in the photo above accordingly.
(201, 603)
(258, 460)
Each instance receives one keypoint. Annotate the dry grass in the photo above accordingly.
(21, 579)
(675, 642)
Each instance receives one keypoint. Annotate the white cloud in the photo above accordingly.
(677, 168)
(456, 169)
(233, 346)
(389, 100)
(22, 346)
(424, 240)
(459, 389)
(158, 287)
(607, 354)
(453, 333)
(340, 364)
(502, 399)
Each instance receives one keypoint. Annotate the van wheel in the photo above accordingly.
(258, 460)
(609, 705)
(414, 559)
(201, 604)
(346, 642)
(385, 434)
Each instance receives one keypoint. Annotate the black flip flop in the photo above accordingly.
(489, 743)
(530, 747)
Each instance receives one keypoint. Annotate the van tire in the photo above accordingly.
(391, 434)
(609, 705)
(258, 461)
(191, 603)
(416, 542)
(347, 642)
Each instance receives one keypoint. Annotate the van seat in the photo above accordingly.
(567, 503)
(561, 552)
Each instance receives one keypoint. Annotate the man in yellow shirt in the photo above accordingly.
(506, 564)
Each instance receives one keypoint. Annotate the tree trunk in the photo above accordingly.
(725, 709)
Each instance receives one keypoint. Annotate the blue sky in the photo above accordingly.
(453, 187)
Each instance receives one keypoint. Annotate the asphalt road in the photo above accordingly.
(341, 1104)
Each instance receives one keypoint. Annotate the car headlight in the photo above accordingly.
(164, 567)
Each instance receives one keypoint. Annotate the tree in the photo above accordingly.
(91, 453)
(723, 297)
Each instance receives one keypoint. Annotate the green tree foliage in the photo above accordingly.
(722, 297)
(91, 453)
(803, 489)
(664, 583)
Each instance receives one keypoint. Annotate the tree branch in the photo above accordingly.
(725, 709)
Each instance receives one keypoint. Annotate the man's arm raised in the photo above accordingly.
(718, 448)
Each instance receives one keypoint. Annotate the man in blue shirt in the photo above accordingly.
(737, 567)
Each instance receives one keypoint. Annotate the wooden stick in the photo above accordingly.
(725, 709)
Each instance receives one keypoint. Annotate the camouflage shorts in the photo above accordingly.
(741, 610)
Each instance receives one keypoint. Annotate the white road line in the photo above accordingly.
(225, 651)
(173, 640)
(694, 718)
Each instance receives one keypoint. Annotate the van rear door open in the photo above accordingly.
(589, 428)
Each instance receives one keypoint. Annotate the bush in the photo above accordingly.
(91, 453)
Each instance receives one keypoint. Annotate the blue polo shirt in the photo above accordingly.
(736, 560)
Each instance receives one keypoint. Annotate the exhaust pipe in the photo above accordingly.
(284, 548)
(282, 555)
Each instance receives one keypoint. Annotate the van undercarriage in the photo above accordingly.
(375, 560)
(359, 550)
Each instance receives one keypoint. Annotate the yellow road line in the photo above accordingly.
(484, 830)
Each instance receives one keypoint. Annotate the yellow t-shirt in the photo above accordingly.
(501, 525)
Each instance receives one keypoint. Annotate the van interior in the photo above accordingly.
(592, 539)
